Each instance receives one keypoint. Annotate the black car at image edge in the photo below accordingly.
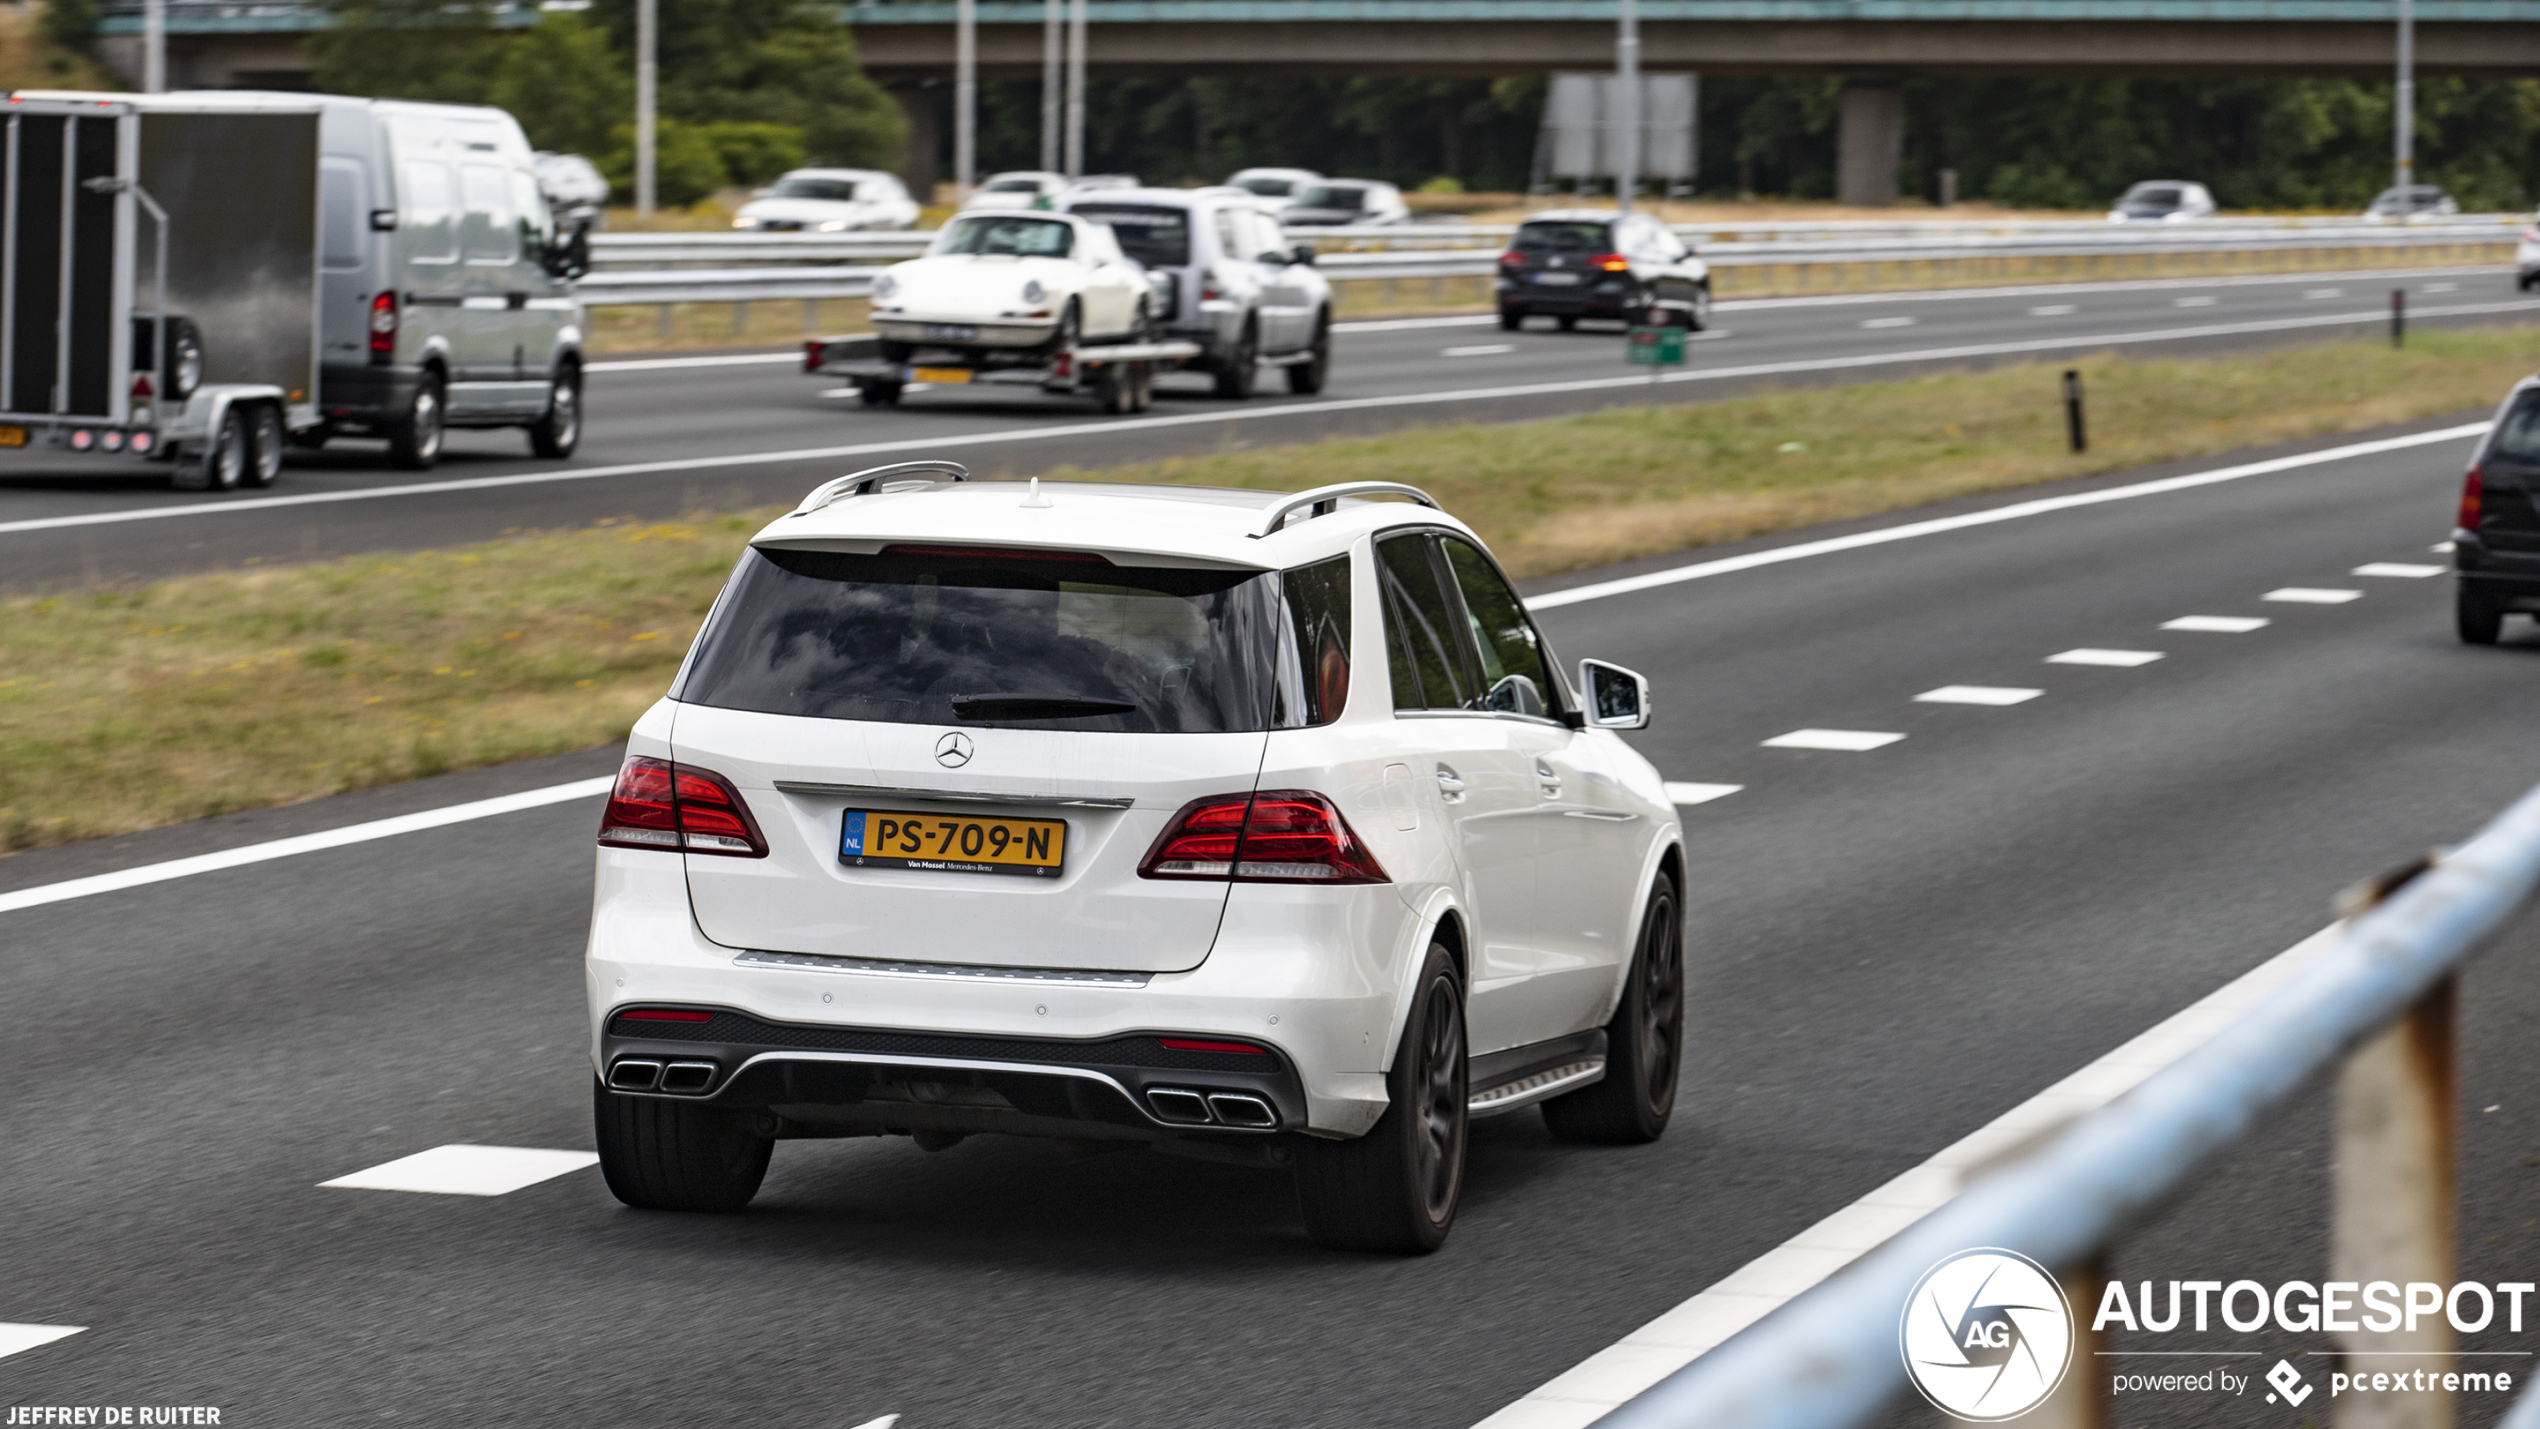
(2496, 547)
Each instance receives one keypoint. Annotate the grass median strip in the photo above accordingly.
(128, 709)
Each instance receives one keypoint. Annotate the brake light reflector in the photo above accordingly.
(999, 553)
(661, 805)
(383, 325)
(665, 1014)
(2473, 499)
(1195, 1044)
(1612, 262)
(1276, 836)
(815, 352)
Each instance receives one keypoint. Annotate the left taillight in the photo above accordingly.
(1276, 836)
(383, 327)
(2473, 498)
(1612, 262)
(661, 805)
(815, 352)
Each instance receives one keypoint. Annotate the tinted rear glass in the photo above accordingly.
(1332, 196)
(1563, 237)
(1270, 188)
(2518, 433)
(947, 637)
(1157, 237)
(834, 190)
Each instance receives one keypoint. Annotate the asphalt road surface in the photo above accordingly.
(1888, 949)
(721, 433)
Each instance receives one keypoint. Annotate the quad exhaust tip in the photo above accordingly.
(640, 1074)
(1184, 1107)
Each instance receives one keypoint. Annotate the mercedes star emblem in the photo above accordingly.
(953, 750)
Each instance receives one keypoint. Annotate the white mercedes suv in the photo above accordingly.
(1240, 825)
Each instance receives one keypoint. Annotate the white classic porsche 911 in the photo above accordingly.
(1013, 282)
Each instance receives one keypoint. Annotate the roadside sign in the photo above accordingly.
(1656, 346)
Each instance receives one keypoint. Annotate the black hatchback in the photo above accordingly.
(2496, 548)
(1591, 264)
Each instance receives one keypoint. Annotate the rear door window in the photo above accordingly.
(1423, 628)
(1314, 645)
(343, 184)
(1516, 668)
(2517, 438)
(428, 219)
(486, 233)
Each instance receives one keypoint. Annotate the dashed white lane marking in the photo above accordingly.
(2054, 310)
(2441, 288)
(2397, 570)
(305, 843)
(1487, 349)
(2311, 595)
(885, 1422)
(1684, 1334)
(1977, 695)
(2197, 302)
(2318, 293)
(467, 1170)
(2121, 659)
(1850, 741)
(2216, 624)
(16, 1338)
(1699, 793)
(1889, 322)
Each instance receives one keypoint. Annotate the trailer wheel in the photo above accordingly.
(265, 441)
(557, 432)
(879, 394)
(414, 441)
(219, 464)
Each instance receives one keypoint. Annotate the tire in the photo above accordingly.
(1071, 328)
(266, 440)
(1566, 323)
(556, 433)
(1117, 389)
(1394, 1190)
(879, 394)
(414, 441)
(676, 1156)
(1700, 318)
(1643, 1044)
(1142, 326)
(2476, 615)
(1307, 378)
(1511, 319)
(220, 464)
(1242, 367)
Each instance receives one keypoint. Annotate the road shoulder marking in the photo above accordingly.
(1848, 741)
(2311, 595)
(1977, 695)
(2218, 624)
(1590, 1390)
(462, 1170)
(2397, 570)
(2113, 659)
(15, 1339)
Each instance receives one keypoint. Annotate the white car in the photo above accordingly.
(1277, 187)
(2527, 257)
(2163, 201)
(1019, 188)
(2410, 204)
(1345, 203)
(829, 201)
(1242, 825)
(1013, 282)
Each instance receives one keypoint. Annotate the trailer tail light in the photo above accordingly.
(2473, 498)
(83, 439)
(678, 807)
(383, 327)
(142, 442)
(113, 441)
(1276, 836)
(1612, 262)
(815, 352)
(141, 385)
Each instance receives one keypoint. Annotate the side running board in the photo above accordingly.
(1523, 1076)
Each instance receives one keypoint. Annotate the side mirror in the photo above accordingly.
(383, 220)
(1304, 254)
(1616, 698)
(570, 259)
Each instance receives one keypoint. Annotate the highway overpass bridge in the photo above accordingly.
(908, 44)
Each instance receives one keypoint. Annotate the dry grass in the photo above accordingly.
(128, 709)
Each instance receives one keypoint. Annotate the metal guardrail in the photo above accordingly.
(2377, 1007)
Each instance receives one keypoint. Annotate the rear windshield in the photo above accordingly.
(1562, 237)
(834, 190)
(1014, 186)
(1157, 237)
(2153, 198)
(2517, 436)
(929, 635)
(1332, 196)
(1270, 188)
(1008, 234)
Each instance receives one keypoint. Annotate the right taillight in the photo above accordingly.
(1276, 836)
(815, 352)
(673, 807)
(383, 327)
(2473, 499)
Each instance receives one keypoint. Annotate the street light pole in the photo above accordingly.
(647, 44)
(1627, 104)
(1076, 91)
(154, 47)
(1051, 102)
(2404, 121)
(965, 98)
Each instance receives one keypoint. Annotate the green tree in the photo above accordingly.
(787, 62)
(72, 24)
(686, 169)
(564, 84)
(407, 49)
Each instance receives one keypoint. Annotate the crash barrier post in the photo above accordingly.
(2376, 1007)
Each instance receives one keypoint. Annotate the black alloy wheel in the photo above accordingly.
(1643, 1044)
(1395, 1190)
(1567, 322)
(2476, 615)
(1242, 367)
(1511, 319)
(879, 394)
(1307, 378)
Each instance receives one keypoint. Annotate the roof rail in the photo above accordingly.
(872, 479)
(1326, 499)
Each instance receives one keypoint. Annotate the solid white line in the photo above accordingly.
(672, 364)
(462, 1170)
(1675, 1339)
(2197, 302)
(17, 1338)
(1489, 349)
(304, 843)
(1683, 794)
(2016, 511)
(1848, 741)
(2120, 659)
(2128, 285)
(1889, 322)
(1977, 695)
(1150, 423)
(2053, 310)
(2217, 624)
(2306, 595)
(2397, 570)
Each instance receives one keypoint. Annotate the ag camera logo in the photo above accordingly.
(1986, 1335)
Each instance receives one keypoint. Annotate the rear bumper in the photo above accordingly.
(1609, 297)
(2512, 576)
(352, 395)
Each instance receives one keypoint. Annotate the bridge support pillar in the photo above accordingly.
(1869, 143)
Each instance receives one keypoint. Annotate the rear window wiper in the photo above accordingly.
(995, 707)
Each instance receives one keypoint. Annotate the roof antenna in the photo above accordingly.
(1035, 499)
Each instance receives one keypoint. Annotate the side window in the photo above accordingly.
(342, 185)
(1421, 644)
(1267, 237)
(427, 222)
(1314, 645)
(1230, 235)
(1516, 670)
(486, 233)
(529, 210)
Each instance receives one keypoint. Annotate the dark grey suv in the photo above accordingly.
(2496, 548)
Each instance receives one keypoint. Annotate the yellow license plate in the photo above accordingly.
(939, 374)
(12, 436)
(953, 843)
